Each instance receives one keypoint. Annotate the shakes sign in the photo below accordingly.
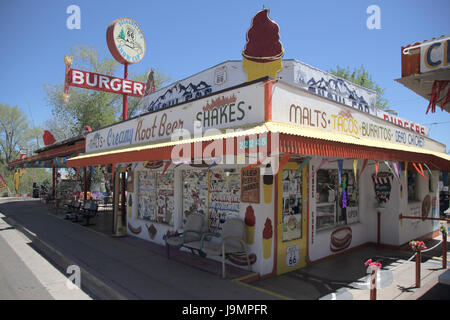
(229, 109)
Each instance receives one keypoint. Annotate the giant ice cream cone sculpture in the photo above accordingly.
(267, 239)
(250, 224)
(263, 50)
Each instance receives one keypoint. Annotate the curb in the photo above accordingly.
(92, 283)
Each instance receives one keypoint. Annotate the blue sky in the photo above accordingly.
(185, 37)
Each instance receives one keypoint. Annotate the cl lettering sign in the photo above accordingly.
(435, 56)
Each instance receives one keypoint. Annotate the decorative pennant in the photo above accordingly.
(320, 166)
(421, 169)
(397, 173)
(406, 169)
(165, 167)
(431, 174)
(444, 177)
(302, 165)
(283, 161)
(390, 168)
(377, 167)
(363, 167)
(340, 164)
(355, 167)
(418, 170)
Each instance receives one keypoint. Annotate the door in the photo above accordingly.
(292, 218)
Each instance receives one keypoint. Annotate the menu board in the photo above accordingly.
(292, 205)
(155, 196)
(195, 193)
(165, 201)
(224, 188)
(250, 185)
(147, 195)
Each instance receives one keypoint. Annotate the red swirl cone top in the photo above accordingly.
(48, 138)
(263, 39)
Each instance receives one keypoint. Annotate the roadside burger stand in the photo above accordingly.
(300, 156)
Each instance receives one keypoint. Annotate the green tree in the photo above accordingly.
(361, 77)
(15, 133)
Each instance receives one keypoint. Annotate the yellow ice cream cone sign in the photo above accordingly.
(263, 49)
(17, 176)
(256, 70)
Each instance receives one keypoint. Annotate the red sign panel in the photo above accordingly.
(100, 82)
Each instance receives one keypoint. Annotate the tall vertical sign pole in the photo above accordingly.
(124, 109)
(127, 45)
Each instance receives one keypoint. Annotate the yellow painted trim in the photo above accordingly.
(262, 290)
(302, 243)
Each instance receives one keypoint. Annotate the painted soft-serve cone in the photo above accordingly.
(250, 224)
(263, 50)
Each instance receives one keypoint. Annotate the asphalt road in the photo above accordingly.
(26, 275)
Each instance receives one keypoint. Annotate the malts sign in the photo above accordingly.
(95, 81)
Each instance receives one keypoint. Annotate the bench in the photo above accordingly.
(90, 210)
(73, 210)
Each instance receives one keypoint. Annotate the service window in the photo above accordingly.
(336, 203)
(412, 186)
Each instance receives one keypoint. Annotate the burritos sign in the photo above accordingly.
(301, 108)
(95, 81)
(233, 108)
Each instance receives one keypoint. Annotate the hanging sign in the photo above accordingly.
(382, 185)
(100, 82)
(250, 185)
(125, 41)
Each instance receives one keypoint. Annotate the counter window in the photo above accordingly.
(412, 186)
(292, 205)
(155, 194)
(336, 204)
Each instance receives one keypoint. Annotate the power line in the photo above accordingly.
(435, 123)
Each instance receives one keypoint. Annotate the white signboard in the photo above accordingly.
(331, 87)
(229, 109)
(231, 73)
(294, 106)
(435, 55)
(292, 255)
(410, 125)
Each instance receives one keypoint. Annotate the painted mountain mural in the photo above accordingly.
(178, 93)
(337, 89)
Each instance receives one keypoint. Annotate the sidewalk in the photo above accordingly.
(113, 268)
(131, 268)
